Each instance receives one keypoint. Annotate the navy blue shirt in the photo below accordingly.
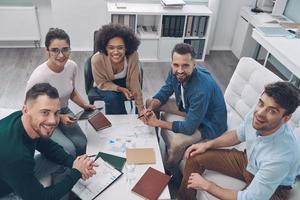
(204, 104)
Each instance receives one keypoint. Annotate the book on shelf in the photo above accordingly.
(126, 20)
(166, 24)
(198, 45)
(132, 22)
(172, 26)
(115, 19)
(105, 176)
(189, 24)
(121, 19)
(202, 26)
(151, 184)
(195, 26)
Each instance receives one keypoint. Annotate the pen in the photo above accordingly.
(145, 114)
(140, 116)
(90, 156)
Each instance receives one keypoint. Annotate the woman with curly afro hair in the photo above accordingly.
(115, 68)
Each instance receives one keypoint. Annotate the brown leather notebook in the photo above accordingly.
(151, 184)
(99, 121)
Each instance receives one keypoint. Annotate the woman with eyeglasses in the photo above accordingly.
(60, 72)
(115, 68)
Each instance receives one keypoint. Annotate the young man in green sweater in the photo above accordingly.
(23, 132)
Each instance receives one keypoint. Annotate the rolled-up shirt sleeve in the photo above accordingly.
(266, 181)
(241, 130)
(165, 91)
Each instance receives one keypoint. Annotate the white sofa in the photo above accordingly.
(241, 95)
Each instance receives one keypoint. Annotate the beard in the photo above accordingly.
(38, 129)
(181, 77)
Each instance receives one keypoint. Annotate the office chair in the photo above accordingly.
(91, 91)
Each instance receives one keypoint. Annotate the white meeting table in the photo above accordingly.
(126, 131)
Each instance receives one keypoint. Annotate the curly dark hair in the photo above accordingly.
(56, 33)
(285, 94)
(109, 31)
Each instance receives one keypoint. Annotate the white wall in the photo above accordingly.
(44, 16)
(79, 19)
(226, 22)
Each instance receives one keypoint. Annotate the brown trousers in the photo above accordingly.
(230, 162)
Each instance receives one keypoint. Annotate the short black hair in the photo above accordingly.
(183, 48)
(285, 94)
(109, 31)
(41, 89)
(56, 33)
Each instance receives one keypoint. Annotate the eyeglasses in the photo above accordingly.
(65, 51)
(118, 48)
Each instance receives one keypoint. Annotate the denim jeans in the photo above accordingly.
(70, 137)
(114, 101)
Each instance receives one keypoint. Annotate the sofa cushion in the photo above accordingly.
(244, 89)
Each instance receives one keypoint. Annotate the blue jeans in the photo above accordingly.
(70, 137)
(114, 101)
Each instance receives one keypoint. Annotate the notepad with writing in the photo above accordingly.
(99, 121)
(105, 176)
(151, 184)
(116, 161)
(140, 156)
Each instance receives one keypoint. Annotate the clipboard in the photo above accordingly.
(105, 176)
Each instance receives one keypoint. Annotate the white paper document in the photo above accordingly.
(91, 188)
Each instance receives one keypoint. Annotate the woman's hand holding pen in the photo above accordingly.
(85, 165)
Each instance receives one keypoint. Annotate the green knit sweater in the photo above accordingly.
(17, 162)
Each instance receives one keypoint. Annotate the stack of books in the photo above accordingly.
(172, 3)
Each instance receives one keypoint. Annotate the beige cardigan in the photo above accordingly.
(103, 73)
